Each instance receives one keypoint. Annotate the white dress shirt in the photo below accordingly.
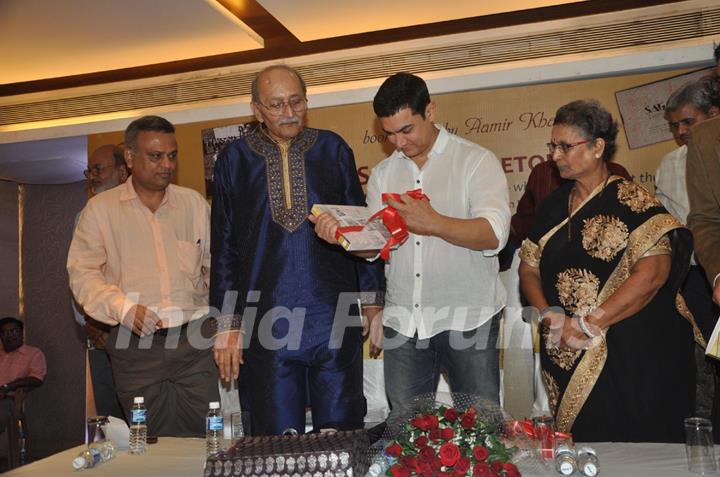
(433, 285)
(671, 186)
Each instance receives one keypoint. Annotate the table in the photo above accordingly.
(177, 457)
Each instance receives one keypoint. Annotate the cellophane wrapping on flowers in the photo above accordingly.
(494, 429)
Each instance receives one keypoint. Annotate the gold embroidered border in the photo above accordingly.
(552, 389)
(285, 175)
(581, 384)
(687, 314)
(530, 253)
(591, 365)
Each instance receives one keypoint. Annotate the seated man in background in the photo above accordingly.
(21, 366)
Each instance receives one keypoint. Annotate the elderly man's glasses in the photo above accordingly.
(563, 146)
(95, 170)
(276, 108)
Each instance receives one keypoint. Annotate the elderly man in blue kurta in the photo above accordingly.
(297, 295)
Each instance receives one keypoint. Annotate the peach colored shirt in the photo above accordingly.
(122, 254)
(24, 362)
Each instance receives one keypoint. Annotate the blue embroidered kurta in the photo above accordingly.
(261, 238)
(262, 242)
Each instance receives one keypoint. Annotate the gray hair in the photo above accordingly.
(255, 88)
(696, 93)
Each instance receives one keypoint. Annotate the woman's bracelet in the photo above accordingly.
(585, 328)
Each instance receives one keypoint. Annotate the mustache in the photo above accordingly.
(283, 122)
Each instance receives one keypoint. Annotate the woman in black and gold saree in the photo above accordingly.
(604, 262)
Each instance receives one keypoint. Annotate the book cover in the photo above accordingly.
(365, 234)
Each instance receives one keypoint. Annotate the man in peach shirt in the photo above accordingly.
(140, 259)
(21, 366)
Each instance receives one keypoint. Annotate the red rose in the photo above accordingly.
(497, 466)
(451, 414)
(449, 454)
(427, 453)
(423, 466)
(408, 461)
(447, 433)
(481, 453)
(467, 421)
(393, 450)
(399, 471)
(433, 422)
(462, 466)
(420, 421)
(421, 442)
(471, 411)
(435, 435)
(436, 464)
(444, 474)
(482, 470)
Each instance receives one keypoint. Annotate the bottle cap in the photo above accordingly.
(375, 470)
(589, 469)
(78, 463)
(566, 468)
(214, 405)
(139, 400)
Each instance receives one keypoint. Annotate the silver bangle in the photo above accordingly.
(585, 328)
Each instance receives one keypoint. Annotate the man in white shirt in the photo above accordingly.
(444, 296)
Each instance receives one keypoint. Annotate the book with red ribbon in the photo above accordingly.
(359, 231)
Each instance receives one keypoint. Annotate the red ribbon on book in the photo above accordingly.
(391, 219)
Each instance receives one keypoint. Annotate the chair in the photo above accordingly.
(18, 441)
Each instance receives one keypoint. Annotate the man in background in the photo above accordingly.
(106, 169)
(21, 365)
(139, 262)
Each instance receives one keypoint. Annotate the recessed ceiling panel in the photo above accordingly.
(317, 19)
(44, 38)
(51, 161)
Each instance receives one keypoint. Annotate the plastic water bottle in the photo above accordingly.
(138, 426)
(380, 465)
(214, 429)
(565, 459)
(95, 454)
(588, 462)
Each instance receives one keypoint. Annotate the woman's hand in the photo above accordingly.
(565, 332)
(573, 337)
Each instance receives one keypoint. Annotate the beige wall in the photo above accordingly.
(512, 122)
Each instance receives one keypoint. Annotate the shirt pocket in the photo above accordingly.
(189, 259)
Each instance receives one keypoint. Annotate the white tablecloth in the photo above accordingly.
(174, 457)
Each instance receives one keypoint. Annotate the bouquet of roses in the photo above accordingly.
(447, 442)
